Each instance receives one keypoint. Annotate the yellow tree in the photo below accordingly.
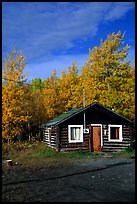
(107, 72)
(51, 96)
(38, 109)
(71, 88)
(13, 95)
(128, 93)
(89, 84)
(60, 94)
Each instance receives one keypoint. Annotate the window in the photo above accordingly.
(75, 133)
(115, 133)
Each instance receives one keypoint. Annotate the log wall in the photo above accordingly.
(60, 141)
(59, 135)
(65, 145)
(50, 137)
(118, 146)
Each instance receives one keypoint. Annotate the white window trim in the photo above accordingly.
(101, 132)
(69, 134)
(120, 133)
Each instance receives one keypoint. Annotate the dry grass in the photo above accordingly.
(38, 154)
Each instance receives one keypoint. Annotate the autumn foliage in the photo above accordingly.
(13, 96)
(107, 77)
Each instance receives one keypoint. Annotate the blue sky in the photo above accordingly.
(55, 34)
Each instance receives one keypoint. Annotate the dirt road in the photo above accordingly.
(101, 180)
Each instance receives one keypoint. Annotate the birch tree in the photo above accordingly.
(13, 95)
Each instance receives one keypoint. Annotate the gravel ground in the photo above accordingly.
(101, 180)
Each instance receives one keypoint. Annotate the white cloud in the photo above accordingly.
(118, 10)
(41, 28)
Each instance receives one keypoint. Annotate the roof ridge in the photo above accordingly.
(74, 111)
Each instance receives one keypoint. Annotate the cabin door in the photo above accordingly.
(95, 138)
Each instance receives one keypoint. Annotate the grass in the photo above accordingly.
(126, 153)
(38, 154)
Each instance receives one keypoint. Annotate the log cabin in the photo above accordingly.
(94, 128)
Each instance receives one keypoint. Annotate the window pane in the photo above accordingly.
(114, 133)
(75, 133)
(117, 133)
(72, 134)
(78, 133)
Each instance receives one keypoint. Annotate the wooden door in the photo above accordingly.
(96, 138)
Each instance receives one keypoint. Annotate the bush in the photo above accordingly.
(12, 148)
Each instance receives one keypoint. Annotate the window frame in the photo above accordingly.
(69, 133)
(120, 133)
